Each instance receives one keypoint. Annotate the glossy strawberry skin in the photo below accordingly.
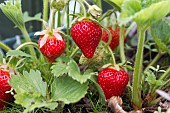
(53, 48)
(4, 86)
(112, 81)
(115, 37)
(86, 34)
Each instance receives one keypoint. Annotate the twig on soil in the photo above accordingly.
(115, 104)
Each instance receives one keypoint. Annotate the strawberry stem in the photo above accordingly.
(27, 38)
(52, 19)
(122, 52)
(110, 35)
(27, 44)
(112, 55)
(83, 7)
(74, 52)
(88, 5)
(4, 46)
(59, 19)
(74, 11)
(136, 95)
(45, 12)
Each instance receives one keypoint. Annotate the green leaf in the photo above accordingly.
(115, 2)
(30, 91)
(29, 82)
(161, 35)
(27, 18)
(65, 89)
(17, 53)
(99, 89)
(132, 10)
(147, 3)
(12, 9)
(32, 101)
(129, 9)
(151, 79)
(74, 72)
(59, 68)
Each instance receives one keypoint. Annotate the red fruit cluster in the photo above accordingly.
(115, 37)
(112, 81)
(4, 86)
(86, 34)
(53, 48)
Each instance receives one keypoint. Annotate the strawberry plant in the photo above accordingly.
(82, 64)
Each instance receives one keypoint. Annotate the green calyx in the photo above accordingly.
(95, 11)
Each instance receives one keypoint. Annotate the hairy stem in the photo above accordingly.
(83, 7)
(68, 19)
(136, 95)
(45, 11)
(59, 19)
(122, 52)
(87, 3)
(74, 11)
(4, 46)
(67, 30)
(27, 44)
(113, 57)
(52, 19)
(27, 38)
(74, 52)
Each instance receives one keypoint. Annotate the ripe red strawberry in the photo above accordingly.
(52, 48)
(4, 86)
(86, 34)
(115, 37)
(112, 81)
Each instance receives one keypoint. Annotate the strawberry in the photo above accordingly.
(52, 47)
(86, 34)
(115, 37)
(112, 81)
(4, 86)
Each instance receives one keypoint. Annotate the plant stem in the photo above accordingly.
(168, 81)
(122, 52)
(45, 11)
(87, 3)
(154, 60)
(74, 11)
(68, 19)
(27, 38)
(111, 52)
(136, 95)
(52, 19)
(130, 28)
(74, 52)
(67, 31)
(99, 4)
(59, 19)
(110, 35)
(165, 74)
(27, 44)
(4, 46)
(84, 9)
